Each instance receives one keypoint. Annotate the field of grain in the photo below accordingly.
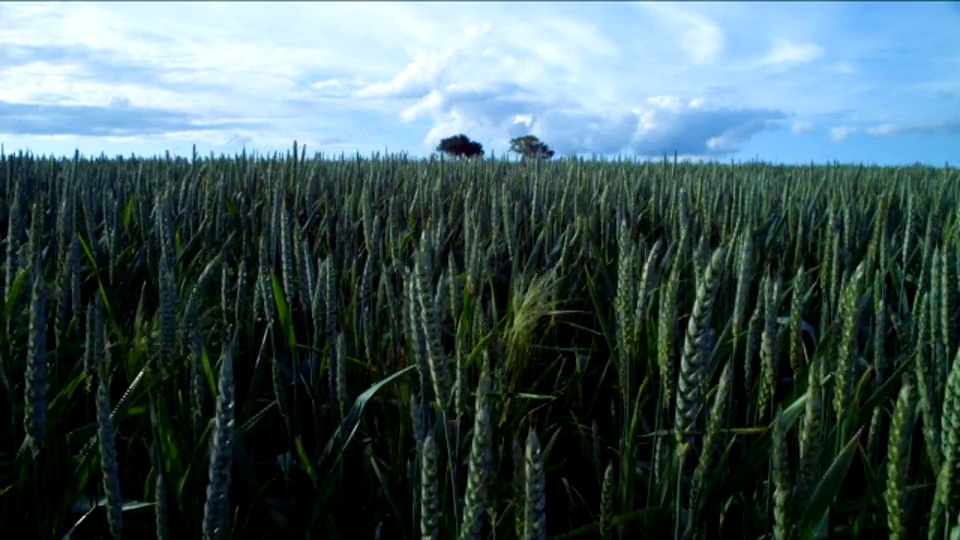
(281, 347)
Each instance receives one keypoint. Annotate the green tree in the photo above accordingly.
(460, 146)
(530, 147)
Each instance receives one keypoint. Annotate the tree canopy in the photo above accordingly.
(530, 147)
(460, 146)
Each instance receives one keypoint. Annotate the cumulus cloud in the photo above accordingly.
(646, 78)
(426, 70)
(658, 125)
(417, 78)
(697, 129)
(839, 133)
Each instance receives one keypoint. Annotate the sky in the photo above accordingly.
(785, 82)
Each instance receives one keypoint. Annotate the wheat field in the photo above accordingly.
(276, 347)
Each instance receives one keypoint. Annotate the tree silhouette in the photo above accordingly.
(460, 146)
(530, 147)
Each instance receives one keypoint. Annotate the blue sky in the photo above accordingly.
(783, 82)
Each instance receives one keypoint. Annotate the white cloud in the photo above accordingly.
(523, 119)
(786, 52)
(582, 36)
(701, 38)
(669, 103)
(840, 133)
(883, 129)
(844, 67)
(426, 70)
(648, 78)
(925, 127)
(431, 102)
(657, 125)
(418, 77)
(334, 86)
